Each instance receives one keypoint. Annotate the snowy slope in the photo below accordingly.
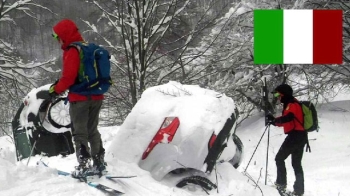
(327, 168)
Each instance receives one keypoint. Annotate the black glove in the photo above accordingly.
(270, 119)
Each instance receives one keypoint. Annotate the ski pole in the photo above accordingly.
(41, 121)
(31, 152)
(267, 152)
(256, 148)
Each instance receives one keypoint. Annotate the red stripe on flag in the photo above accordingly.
(327, 37)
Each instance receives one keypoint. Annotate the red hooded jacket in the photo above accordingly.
(68, 32)
(293, 121)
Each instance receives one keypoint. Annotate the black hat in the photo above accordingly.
(284, 89)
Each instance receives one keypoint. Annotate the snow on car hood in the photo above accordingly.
(196, 107)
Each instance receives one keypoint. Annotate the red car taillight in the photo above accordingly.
(165, 134)
(211, 141)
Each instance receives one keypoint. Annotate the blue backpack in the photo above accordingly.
(94, 71)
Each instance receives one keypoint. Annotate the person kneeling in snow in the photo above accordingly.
(84, 110)
(295, 141)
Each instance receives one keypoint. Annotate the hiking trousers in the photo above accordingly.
(84, 118)
(292, 145)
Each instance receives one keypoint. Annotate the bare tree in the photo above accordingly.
(16, 77)
(151, 41)
(209, 43)
(230, 67)
(225, 60)
(323, 79)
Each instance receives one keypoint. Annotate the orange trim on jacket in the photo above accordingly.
(294, 124)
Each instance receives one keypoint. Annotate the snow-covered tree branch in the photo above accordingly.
(152, 41)
(16, 77)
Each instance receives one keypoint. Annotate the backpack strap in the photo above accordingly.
(75, 45)
(308, 147)
(301, 107)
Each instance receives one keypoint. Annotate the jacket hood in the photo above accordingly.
(287, 93)
(68, 32)
(284, 89)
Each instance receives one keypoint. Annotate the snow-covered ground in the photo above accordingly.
(326, 168)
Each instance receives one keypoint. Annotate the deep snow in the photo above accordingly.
(326, 168)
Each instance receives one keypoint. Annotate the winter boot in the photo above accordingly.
(83, 169)
(295, 194)
(281, 188)
(84, 159)
(99, 164)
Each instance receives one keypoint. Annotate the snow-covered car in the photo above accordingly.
(42, 125)
(177, 128)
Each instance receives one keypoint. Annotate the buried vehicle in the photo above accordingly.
(180, 130)
(42, 125)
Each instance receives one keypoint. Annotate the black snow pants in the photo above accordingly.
(292, 145)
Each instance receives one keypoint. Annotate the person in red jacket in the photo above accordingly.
(292, 122)
(84, 110)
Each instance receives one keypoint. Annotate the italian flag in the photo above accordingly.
(298, 37)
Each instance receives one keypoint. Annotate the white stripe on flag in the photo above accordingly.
(297, 36)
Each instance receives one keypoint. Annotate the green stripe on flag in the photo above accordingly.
(268, 36)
